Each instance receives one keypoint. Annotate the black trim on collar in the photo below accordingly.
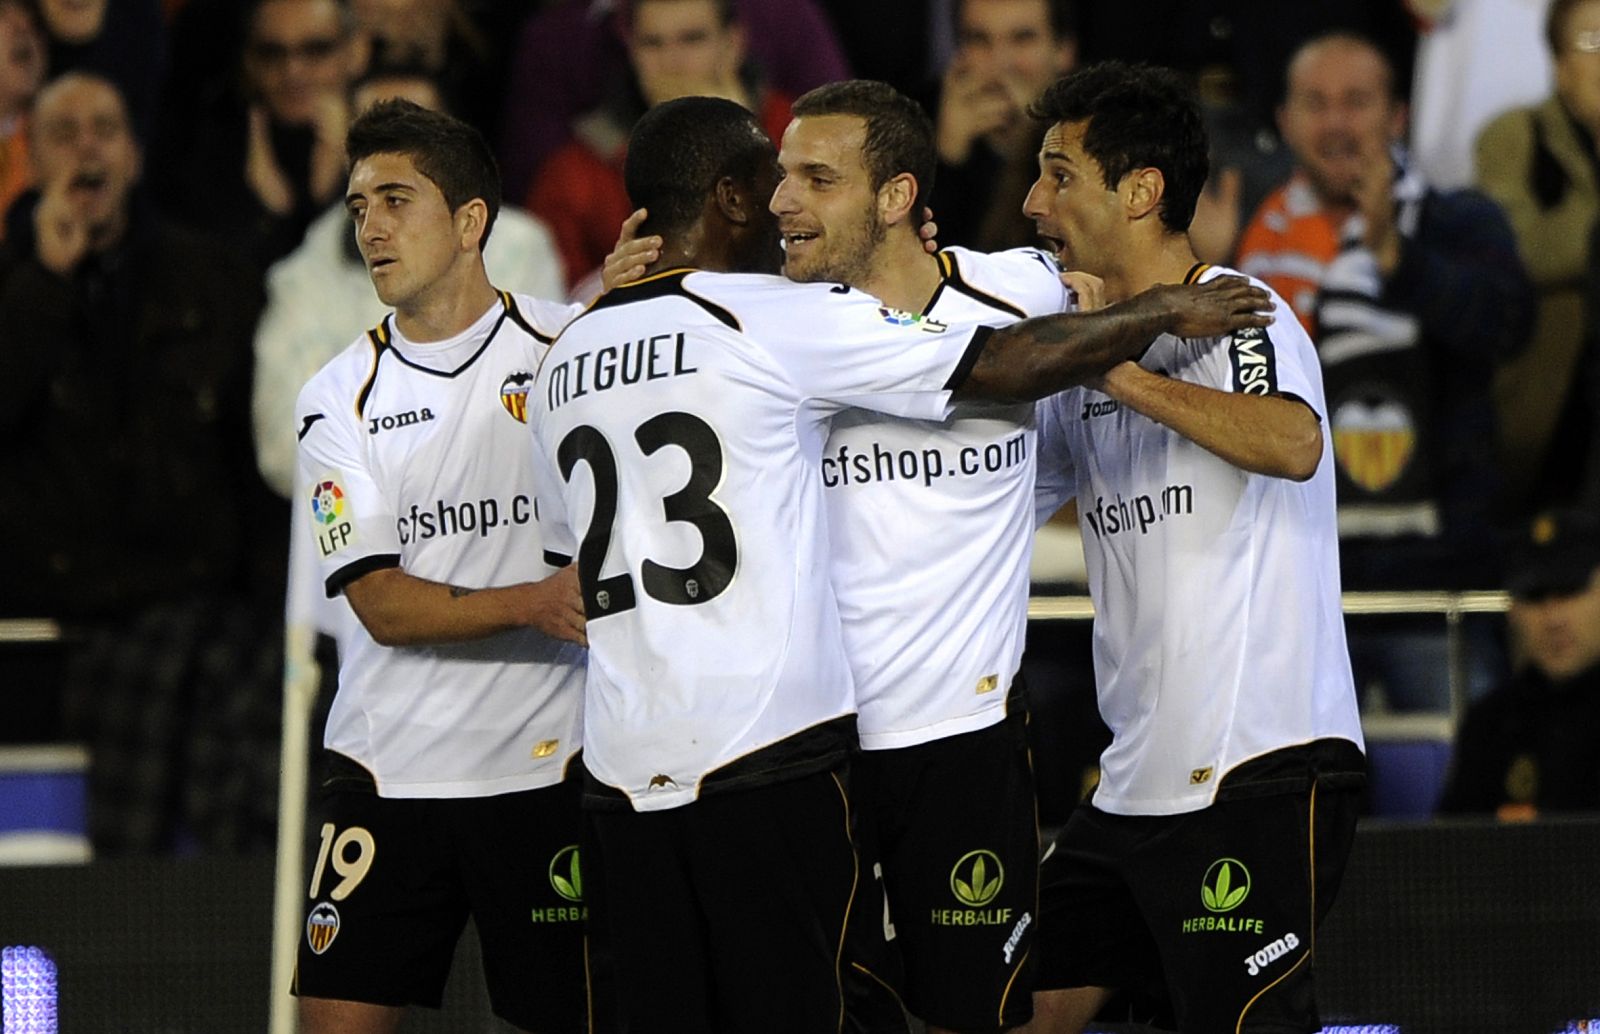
(660, 285)
(1196, 271)
(520, 320)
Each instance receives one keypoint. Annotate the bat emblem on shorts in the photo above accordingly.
(661, 782)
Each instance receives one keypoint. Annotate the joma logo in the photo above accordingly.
(389, 423)
(1254, 964)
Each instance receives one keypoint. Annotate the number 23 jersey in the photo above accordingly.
(681, 423)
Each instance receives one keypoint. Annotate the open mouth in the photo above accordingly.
(380, 263)
(90, 180)
(796, 239)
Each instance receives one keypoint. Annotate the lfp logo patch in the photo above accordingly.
(322, 926)
(327, 502)
(902, 318)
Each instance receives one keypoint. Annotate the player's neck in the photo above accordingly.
(445, 308)
(902, 275)
(1166, 259)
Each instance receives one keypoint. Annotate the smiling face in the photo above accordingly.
(413, 245)
(81, 136)
(826, 206)
(1080, 218)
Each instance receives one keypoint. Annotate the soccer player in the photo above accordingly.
(1226, 806)
(458, 711)
(933, 631)
(680, 424)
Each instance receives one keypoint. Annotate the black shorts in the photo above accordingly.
(1218, 907)
(394, 881)
(726, 914)
(954, 824)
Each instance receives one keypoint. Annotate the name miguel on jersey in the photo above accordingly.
(632, 362)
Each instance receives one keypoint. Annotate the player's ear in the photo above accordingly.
(896, 198)
(1142, 191)
(733, 200)
(471, 218)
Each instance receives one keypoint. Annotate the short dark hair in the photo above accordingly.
(678, 152)
(1063, 17)
(445, 149)
(1555, 23)
(1139, 117)
(899, 135)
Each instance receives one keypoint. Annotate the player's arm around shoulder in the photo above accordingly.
(399, 609)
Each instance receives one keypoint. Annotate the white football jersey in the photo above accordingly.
(932, 527)
(418, 456)
(681, 423)
(1218, 634)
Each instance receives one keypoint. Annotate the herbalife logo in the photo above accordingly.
(971, 879)
(565, 876)
(566, 879)
(1218, 891)
(1226, 885)
(975, 881)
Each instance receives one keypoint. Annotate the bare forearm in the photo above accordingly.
(1041, 356)
(1269, 435)
(399, 609)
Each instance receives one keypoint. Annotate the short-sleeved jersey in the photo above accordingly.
(681, 423)
(932, 527)
(418, 455)
(1218, 632)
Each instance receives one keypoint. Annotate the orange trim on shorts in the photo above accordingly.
(1311, 950)
(855, 881)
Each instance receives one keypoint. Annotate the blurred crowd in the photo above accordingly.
(1419, 179)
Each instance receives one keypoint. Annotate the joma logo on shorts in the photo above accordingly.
(1254, 964)
(1106, 408)
(389, 423)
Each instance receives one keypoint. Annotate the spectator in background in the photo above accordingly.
(320, 297)
(1528, 748)
(569, 57)
(1413, 296)
(1540, 164)
(676, 48)
(125, 41)
(21, 72)
(1007, 52)
(132, 510)
(442, 38)
(262, 166)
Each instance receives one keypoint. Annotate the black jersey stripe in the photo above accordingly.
(953, 277)
(660, 285)
(379, 338)
(522, 321)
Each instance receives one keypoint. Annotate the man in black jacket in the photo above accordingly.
(132, 510)
(1528, 748)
